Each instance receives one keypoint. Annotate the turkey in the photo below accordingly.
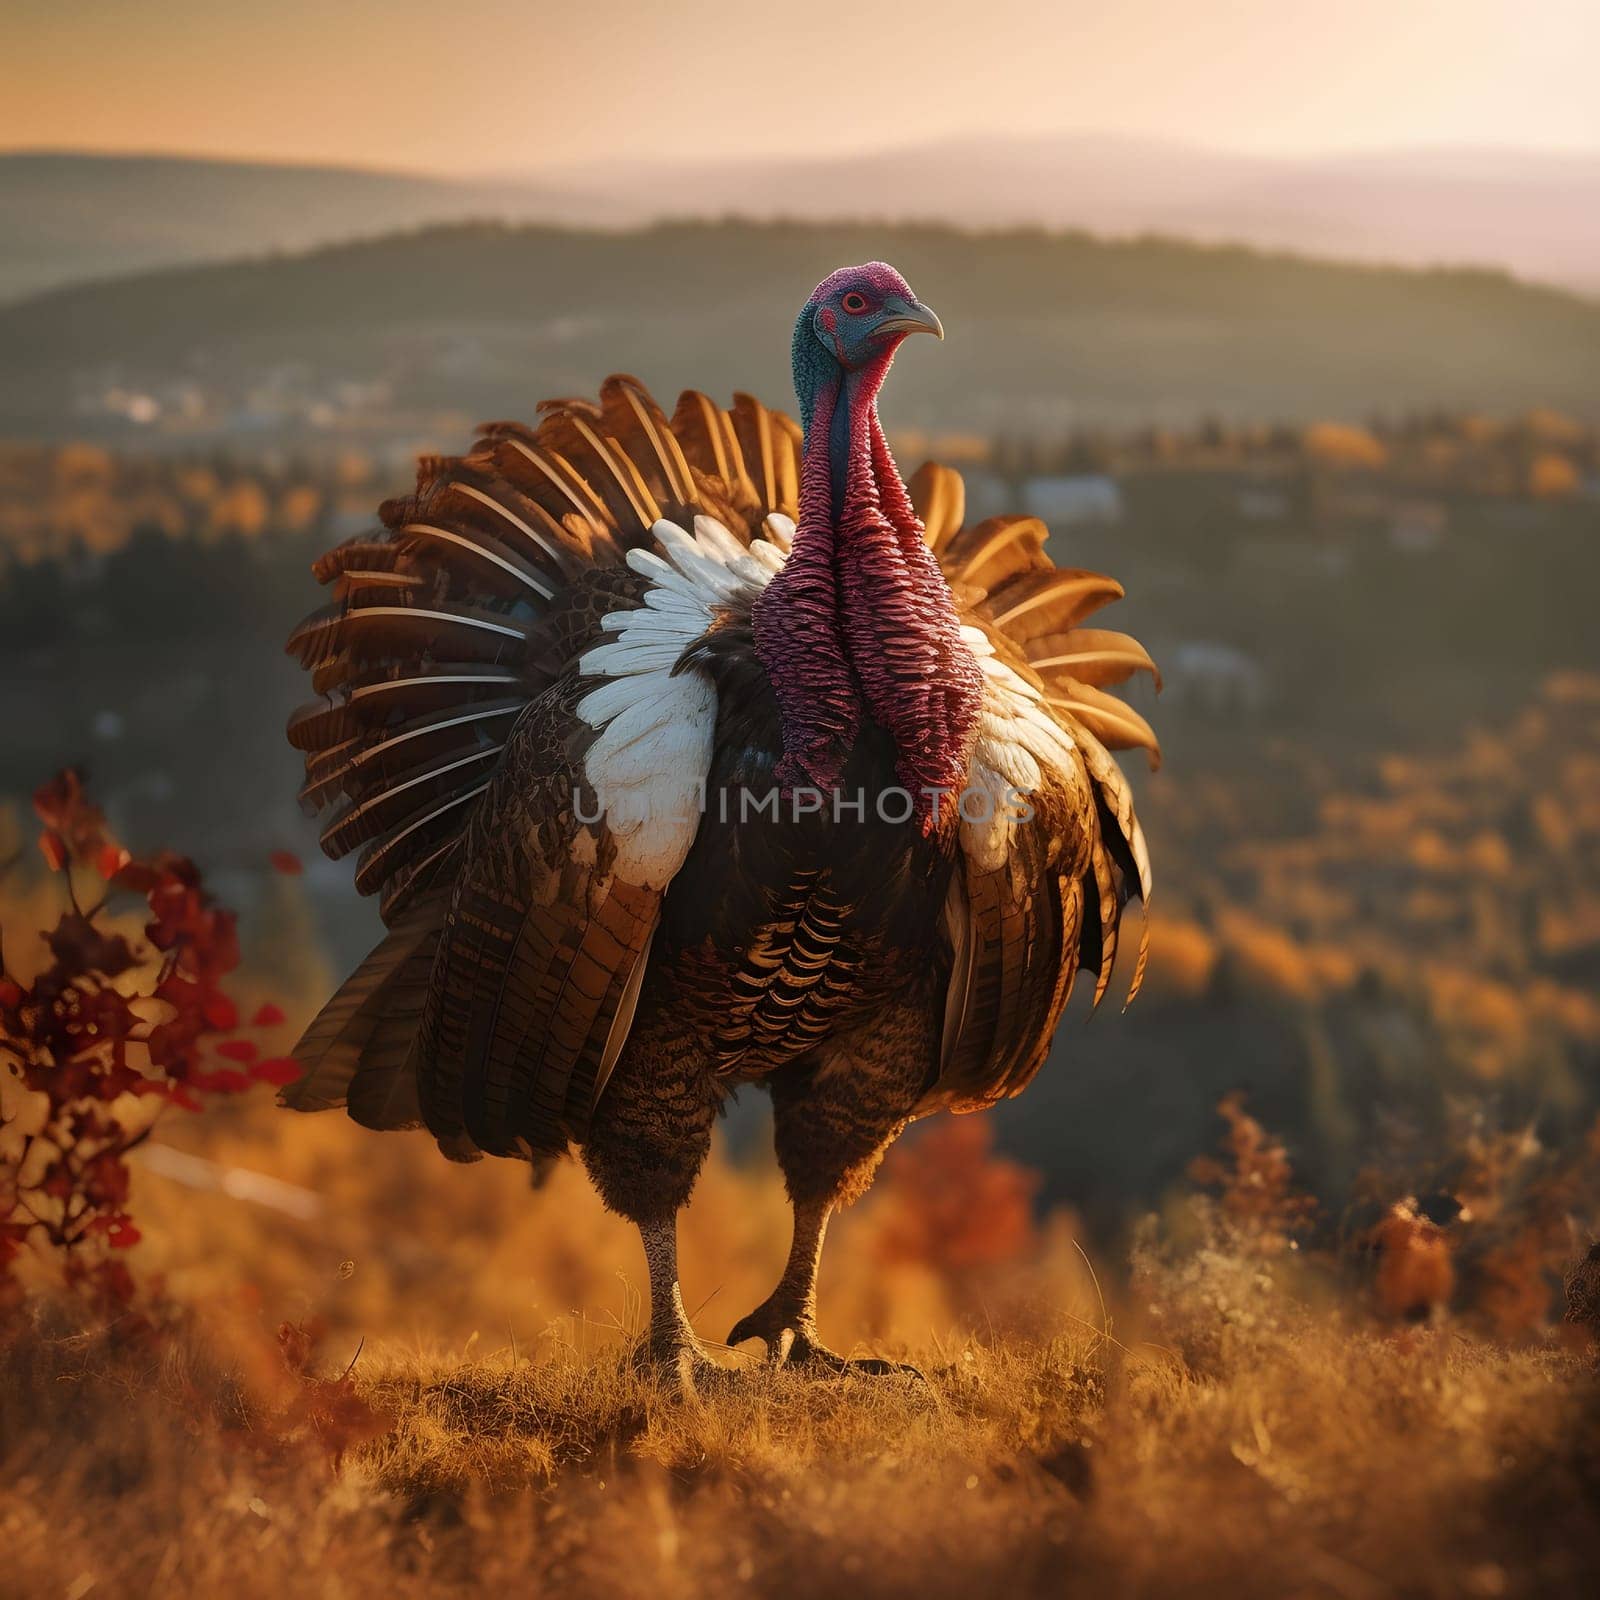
(693, 752)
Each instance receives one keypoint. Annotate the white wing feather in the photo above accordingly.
(649, 761)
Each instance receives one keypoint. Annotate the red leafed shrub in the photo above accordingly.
(108, 1036)
(957, 1205)
(1255, 1181)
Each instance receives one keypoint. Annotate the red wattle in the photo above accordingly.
(861, 615)
(797, 634)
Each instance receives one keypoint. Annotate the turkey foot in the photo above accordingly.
(669, 1350)
(681, 1367)
(791, 1341)
(787, 1319)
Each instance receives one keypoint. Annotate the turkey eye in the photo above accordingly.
(854, 303)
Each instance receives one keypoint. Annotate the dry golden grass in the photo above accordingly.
(1284, 1456)
(1234, 1423)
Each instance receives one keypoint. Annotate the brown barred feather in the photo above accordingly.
(470, 595)
(1025, 930)
(331, 1050)
(354, 581)
(362, 551)
(1113, 722)
(992, 554)
(1099, 657)
(641, 427)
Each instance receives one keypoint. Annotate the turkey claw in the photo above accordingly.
(798, 1347)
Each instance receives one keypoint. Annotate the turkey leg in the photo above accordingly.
(832, 1121)
(670, 1346)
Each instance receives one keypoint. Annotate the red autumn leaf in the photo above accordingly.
(72, 1035)
(278, 1071)
(176, 1094)
(53, 800)
(63, 809)
(219, 1011)
(89, 1124)
(138, 876)
(121, 1233)
(103, 1013)
(72, 1080)
(963, 1204)
(286, 862)
(115, 1081)
(171, 1044)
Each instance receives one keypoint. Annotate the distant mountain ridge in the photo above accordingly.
(73, 216)
(1531, 213)
(70, 217)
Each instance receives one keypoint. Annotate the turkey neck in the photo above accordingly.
(861, 620)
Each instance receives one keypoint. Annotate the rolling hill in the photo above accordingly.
(71, 216)
(1046, 330)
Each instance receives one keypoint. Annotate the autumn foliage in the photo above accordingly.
(107, 1035)
(957, 1203)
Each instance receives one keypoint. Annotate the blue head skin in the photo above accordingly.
(852, 324)
(845, 338)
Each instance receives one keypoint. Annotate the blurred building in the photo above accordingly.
(1070, 500)
(1214, 678)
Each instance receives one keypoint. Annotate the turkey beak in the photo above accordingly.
(914, 318)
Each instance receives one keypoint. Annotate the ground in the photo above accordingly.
(1229, 1424)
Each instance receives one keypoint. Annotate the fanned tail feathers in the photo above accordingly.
(478, 591)
(472, 601)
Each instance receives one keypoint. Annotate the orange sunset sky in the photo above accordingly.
(473, 85)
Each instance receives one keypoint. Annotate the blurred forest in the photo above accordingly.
(418, 335)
